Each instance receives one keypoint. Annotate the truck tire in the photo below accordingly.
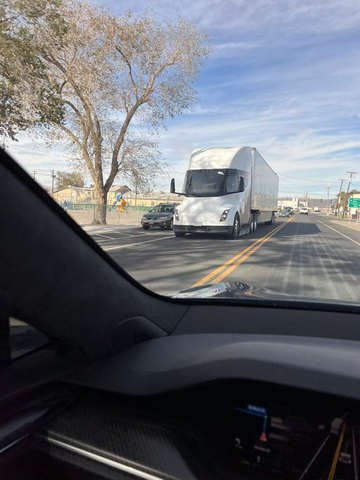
(272, 221)
(236, 228)
(179, 234)
(253, 224)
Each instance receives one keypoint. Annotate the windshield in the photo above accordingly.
(252, 107)
(205, 183)
(162, 208)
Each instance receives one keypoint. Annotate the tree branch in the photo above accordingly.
(51, 59)
(149, 87)
(119, 141)
(80, 145)
(126, 60)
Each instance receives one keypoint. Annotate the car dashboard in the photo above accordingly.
(198, 407)
(227, 430)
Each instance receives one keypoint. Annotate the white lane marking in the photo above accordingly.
(351, 240)
(103, 236)
(136, 244)
(121, 234)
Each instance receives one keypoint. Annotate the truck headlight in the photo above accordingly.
(176, 214)
(224, 215)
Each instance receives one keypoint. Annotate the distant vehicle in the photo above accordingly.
(227, 191)
(160, 216)
(304, 211)
(316, 209)
(289, 209)
(284, 213)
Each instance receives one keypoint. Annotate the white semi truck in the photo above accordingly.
(227, 191)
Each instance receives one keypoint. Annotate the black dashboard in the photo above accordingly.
(232, 406)
(211, 406)
(223, 430)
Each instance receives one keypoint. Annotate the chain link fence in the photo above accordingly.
(84, 213)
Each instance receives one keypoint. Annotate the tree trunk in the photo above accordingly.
(100, 206)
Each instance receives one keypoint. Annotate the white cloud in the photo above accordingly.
(283, 76)
(244, 16)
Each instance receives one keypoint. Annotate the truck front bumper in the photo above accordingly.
(220, 230)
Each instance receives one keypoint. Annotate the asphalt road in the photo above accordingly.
(306, 255)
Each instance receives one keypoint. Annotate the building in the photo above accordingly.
(288, 202)
(85, 195)
(149, 200)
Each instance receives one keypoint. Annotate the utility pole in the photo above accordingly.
(305, 198)
(352, 175)
(53, 176)
(338, 202)
(328, 198)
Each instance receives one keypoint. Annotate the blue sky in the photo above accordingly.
(283, 76)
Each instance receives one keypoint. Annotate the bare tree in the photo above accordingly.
(116, 74)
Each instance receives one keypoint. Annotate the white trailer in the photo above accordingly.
(227, 191)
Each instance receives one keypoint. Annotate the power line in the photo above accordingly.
(303, 179)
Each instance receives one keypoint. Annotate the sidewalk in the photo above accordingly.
(353, 224)
(113, 218)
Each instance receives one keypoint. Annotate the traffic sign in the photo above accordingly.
(354, 203)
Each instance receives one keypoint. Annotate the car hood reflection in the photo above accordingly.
(241, 290)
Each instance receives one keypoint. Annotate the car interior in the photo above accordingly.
(104, 379)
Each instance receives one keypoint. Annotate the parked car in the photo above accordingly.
(160, 216)
(304, 211)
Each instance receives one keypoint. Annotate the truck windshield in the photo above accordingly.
(205, 183)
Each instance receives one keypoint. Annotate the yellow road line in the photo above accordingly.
(238, 259)
(229, 262)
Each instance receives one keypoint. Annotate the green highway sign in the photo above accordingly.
(354, 203)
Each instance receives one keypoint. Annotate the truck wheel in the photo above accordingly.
(253, 224)
(272, 221)
(236, 228)
(179, 234)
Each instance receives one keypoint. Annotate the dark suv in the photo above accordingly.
(160, 216)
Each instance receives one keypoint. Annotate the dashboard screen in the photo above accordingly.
(275, 438)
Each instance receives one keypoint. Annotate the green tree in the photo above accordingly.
(64, 179)
(115, 77)
(28, 95)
